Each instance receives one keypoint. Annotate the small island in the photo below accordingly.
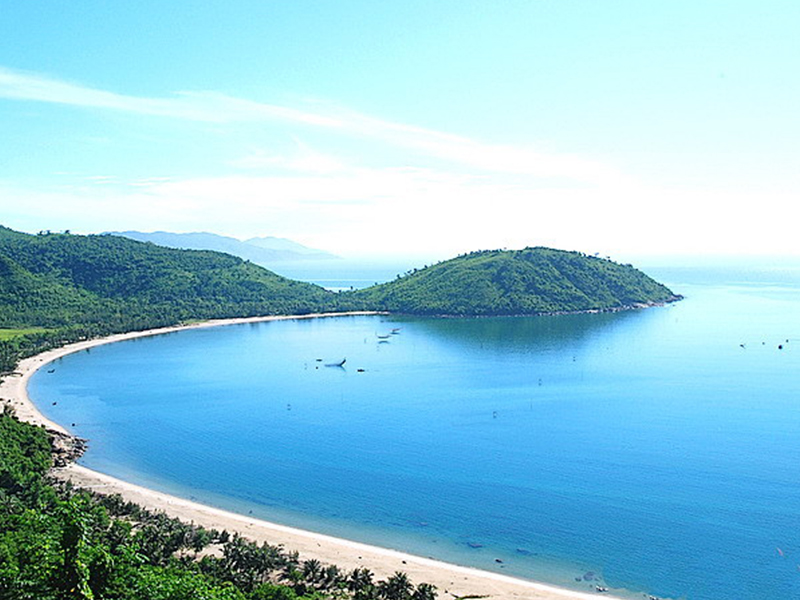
(533, 281)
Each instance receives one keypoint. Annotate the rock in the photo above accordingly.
(66, 448)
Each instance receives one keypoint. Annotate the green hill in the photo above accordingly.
(26, 295)
(522, 282)
(56, 280)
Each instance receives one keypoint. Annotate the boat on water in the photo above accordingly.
(337, 364)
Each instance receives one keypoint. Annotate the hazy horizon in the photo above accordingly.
(410, 259)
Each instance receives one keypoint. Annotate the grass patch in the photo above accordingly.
(7, 334)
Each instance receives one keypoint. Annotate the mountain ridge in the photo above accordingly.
(263, 251)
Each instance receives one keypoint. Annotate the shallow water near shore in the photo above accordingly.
(658, 449)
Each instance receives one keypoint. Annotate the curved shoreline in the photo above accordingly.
(450, 579)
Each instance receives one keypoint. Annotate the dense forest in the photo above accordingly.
(58, 543)
(532, 281)
(58, 279)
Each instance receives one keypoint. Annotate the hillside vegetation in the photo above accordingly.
(60, 279)
(522, 282)
(75, 286)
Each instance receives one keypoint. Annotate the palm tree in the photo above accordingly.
(312, 569)
(424, 591)
(396, 587)
(361, 584)
(329, 578)
(359, 579)
(73, 576)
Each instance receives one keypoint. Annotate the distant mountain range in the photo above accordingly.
(265, 251)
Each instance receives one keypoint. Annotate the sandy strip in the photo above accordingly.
(451, 580)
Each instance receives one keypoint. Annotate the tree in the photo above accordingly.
(424, 591)
(360, 583)
(396, 587)
(73, 577)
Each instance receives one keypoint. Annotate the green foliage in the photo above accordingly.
(524, 282)
(24, 455)
(7, 334)
(396, 587)
(57, 543)
(269, 591)
(72, 578)
(173, 583)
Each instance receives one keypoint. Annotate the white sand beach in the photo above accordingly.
(450, 580)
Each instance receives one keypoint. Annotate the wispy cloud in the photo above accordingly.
(209, 106)
(344, 181)
(193, 106)
(498, 158)
(303, 160)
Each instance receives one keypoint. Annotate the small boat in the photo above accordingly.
(382, 337)
(338, 364)
(396, 331)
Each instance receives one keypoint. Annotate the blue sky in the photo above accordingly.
(427, 128)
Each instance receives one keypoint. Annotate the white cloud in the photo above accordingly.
(220, 108)
(488, 157)
(304, 160)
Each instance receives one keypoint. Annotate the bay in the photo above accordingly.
(658, 448)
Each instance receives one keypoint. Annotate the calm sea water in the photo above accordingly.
(659, 449)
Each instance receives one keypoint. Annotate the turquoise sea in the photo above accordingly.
(658, 449)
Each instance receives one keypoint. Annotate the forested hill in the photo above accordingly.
(114, 284)
(521, 282)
